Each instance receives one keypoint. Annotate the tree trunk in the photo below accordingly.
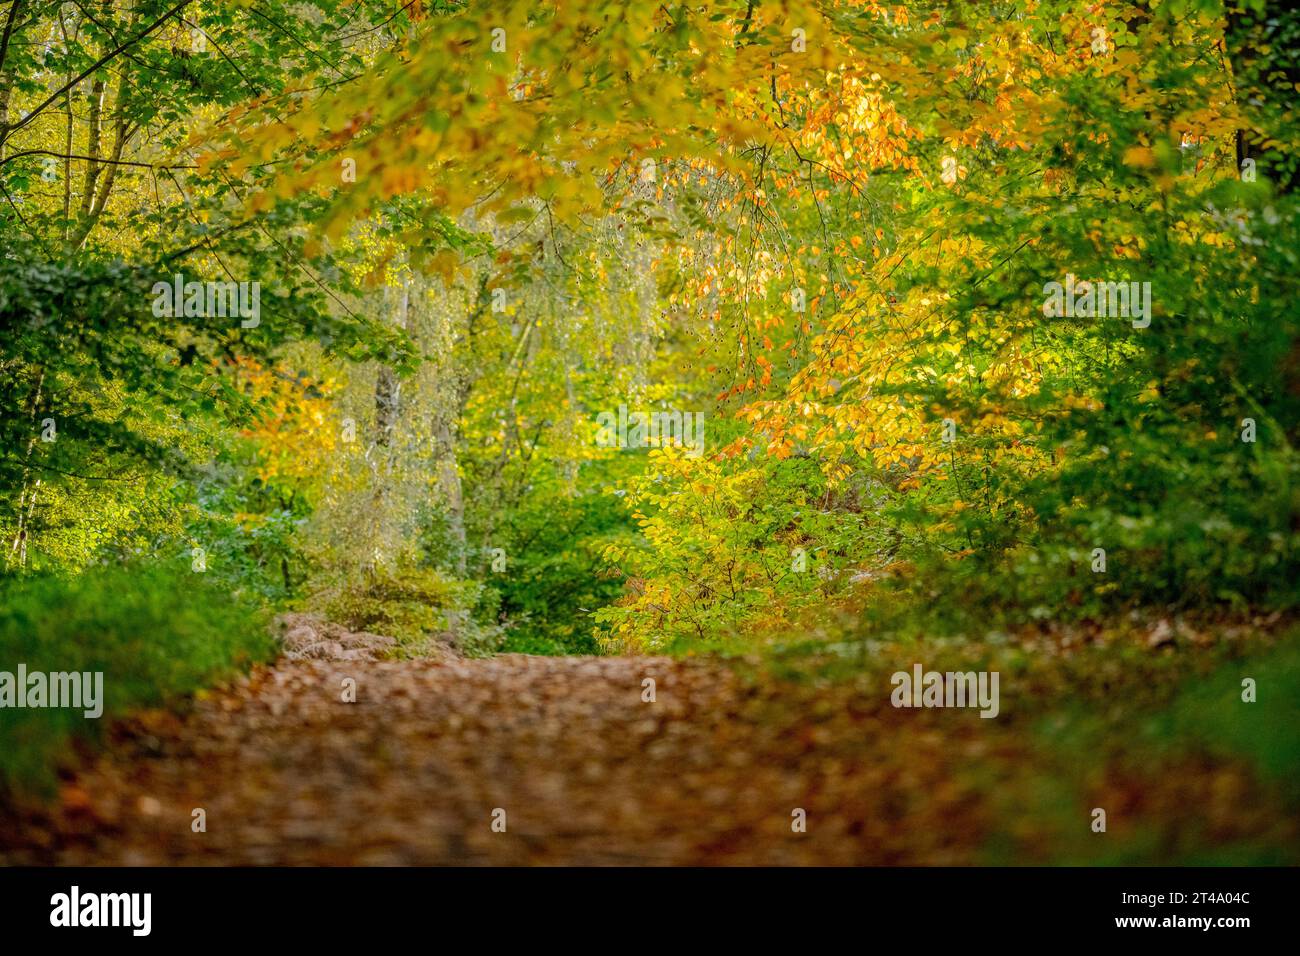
(27, 497)
(1264, 84)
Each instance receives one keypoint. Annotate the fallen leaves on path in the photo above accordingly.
(711, 771)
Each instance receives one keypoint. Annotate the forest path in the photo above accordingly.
(586, 771)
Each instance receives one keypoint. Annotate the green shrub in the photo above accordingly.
(415, 606)
(154, 633)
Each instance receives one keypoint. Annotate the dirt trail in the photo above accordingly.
(585, 770)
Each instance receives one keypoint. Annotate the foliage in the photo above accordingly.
(726, 548)
(831, 226)
(878, 249)
(416, 607)
(158, 633)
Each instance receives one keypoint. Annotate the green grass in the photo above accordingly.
(155, 633)
(1265, 732)
(1094, 713)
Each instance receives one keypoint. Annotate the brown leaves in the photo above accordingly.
(589, 771)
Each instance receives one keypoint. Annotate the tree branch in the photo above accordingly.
(9, 29)
(6, 132)
(106, 161)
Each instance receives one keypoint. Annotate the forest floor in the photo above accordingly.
(586, 771)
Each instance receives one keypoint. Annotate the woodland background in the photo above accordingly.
(824, 224)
